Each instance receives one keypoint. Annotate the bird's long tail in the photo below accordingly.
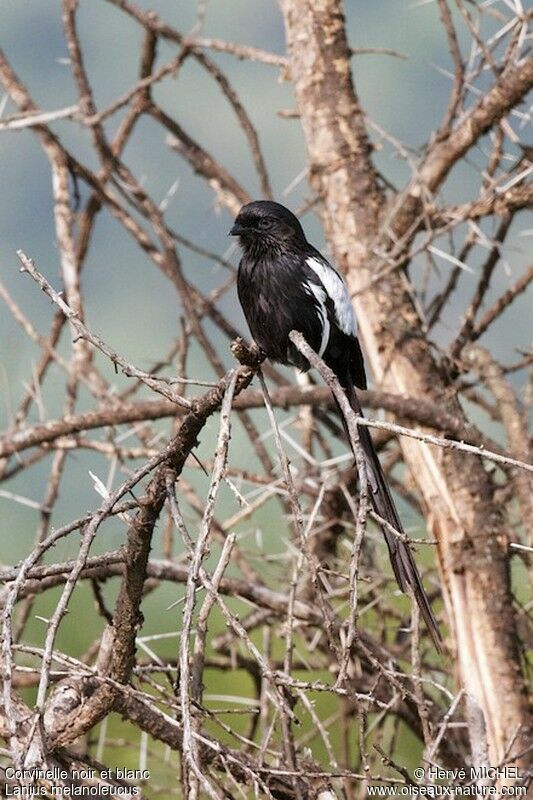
(403, 564)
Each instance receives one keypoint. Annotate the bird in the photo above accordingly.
(286, 284)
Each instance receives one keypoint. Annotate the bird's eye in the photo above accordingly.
(265, 223)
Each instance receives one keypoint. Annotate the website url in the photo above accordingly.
(446, 791)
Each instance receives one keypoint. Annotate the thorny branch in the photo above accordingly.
(283, 643)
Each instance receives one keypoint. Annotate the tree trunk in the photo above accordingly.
(456, 490)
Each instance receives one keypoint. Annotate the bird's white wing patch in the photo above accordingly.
(335, 288)
(321, 297)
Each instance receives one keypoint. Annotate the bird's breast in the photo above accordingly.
(275, 301)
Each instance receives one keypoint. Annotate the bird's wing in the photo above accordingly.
(332, 284)
(339, 343)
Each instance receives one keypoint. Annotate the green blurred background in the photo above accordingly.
(127, 300)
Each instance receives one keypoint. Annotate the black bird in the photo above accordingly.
(285, 284)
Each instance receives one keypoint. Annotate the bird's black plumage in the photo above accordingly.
(285, 284)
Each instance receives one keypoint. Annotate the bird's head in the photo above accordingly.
(265, 225)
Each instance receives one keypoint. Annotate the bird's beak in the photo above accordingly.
(237, 230)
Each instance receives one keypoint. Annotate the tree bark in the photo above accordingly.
(456, 490)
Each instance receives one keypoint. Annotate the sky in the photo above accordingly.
(127, 301)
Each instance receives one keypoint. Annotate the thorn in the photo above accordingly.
(193, 454)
